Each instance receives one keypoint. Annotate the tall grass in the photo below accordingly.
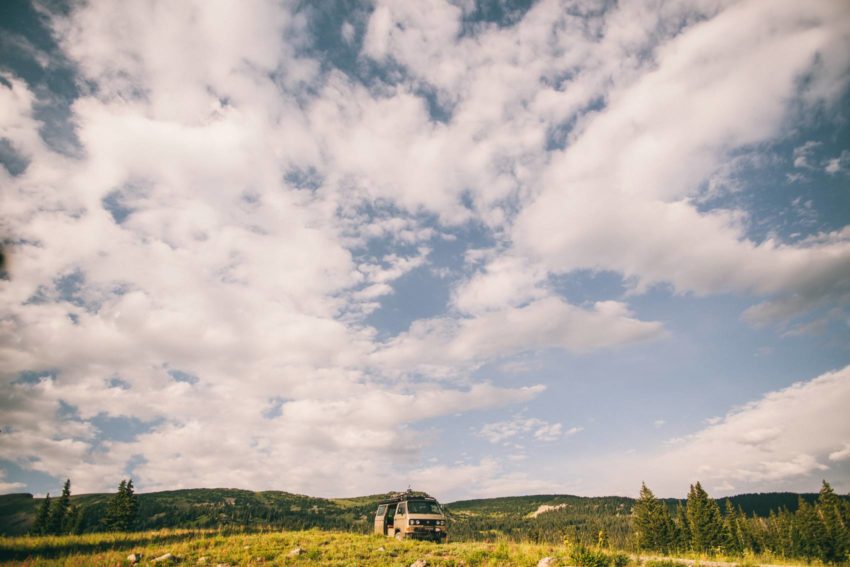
(273, 547)
(315, 547)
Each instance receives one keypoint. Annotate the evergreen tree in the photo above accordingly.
(122, 509)
(704, 520)
(59, 510)
(812, 536)
(653, 527)
(130, 506)
(731, 535)
(683, 532)
(112, 520)
(41, 519)
(746, 533)
(72, 520)
(835, 543)
(793, 538)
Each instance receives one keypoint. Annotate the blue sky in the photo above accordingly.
(480, 248)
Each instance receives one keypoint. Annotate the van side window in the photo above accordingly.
(382, 509)
(402, 509)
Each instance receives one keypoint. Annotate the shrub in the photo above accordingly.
(585, 557)
(619, 560)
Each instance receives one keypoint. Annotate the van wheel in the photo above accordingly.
(399, 536)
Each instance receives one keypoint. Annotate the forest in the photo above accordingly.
(701, 525)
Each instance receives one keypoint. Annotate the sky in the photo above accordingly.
(479, 248)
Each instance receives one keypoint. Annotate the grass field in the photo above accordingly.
(317, 547)
(271, 548)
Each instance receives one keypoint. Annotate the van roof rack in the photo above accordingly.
(395, 497)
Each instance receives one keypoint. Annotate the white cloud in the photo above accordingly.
(629, 211)
(520, 427)
(840, 455)
(803, 154)
(193, 247)
(347, 31)
(444, 344)
(838, 164)
(780, 442)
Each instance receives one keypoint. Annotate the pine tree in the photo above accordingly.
(812, 536)
(72, 519)
(746, 534)
(835, 543)
(683, 532)
(122, 509)
(653, 527)
(130, 506)
(793, 536)
(731, 537)
(704, 520)
(782, 536)
(112, 520)
(40, 525)
(59, 509)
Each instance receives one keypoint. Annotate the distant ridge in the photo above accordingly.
(226, 507)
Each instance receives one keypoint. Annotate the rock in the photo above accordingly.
(167, 558)
(296, 551)
(202, 560)
(419, 563)
(546, 562)
(134, 557)
(381, 549)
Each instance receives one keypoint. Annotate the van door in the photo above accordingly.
(381, 520)
(390, 523)
(400, 518)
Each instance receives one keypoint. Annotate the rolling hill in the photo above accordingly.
(543, 518)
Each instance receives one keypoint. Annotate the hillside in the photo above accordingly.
(480, 519)
(206, 508)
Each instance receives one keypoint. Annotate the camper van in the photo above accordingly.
(412, 515)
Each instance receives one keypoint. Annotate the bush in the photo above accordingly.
(620, 560)
(585, 557)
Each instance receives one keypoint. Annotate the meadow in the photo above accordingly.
(310, 547)
(218, 548)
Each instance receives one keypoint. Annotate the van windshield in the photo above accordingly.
(420, 507)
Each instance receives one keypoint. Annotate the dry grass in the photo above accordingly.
(268, 548)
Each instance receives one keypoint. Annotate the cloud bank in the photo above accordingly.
(203, 269)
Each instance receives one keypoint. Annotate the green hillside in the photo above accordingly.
(541, 518)
(482, 519)
(206, 508)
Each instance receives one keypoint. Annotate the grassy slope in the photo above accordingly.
(314, 547)
(318, 548)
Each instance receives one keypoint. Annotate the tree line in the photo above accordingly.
(60, 517)
(814, 531)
